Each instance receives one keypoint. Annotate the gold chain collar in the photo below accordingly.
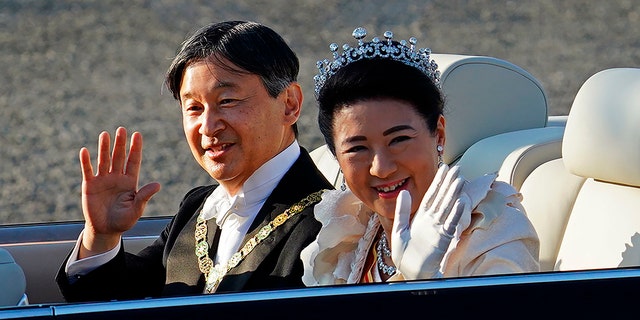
(213, 274)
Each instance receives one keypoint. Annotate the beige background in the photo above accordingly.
(71, 69)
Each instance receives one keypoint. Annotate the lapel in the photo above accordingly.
(183, 272)
(260, 252)
(302, 179)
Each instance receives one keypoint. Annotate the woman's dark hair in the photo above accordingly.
(252, 47)
(377, 78)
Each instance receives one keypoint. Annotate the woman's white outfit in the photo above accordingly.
(496, 237)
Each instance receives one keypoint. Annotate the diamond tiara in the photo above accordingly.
(376, 48)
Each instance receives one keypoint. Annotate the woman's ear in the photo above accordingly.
(440, 131)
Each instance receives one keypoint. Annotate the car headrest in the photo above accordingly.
(602, 137)
(486, 96)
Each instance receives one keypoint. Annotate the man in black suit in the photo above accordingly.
(236, 83)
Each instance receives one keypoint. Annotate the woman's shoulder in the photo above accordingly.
(493, 200)
(346, 230)
(499, 218)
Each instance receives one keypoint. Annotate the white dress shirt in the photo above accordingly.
(234, 214)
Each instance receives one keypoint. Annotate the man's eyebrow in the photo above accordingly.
(225, 84)
(355, 139)
(220, 84)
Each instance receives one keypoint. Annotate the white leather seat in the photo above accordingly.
(481, 92)
(586, 205)
(13, 287)
(513, 154)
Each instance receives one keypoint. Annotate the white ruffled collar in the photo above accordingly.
(338, 254)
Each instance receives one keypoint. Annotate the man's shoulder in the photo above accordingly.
(189, 205)
(306, 171)
(300, 181)
(198, 193)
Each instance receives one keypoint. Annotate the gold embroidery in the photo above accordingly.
(214, 274)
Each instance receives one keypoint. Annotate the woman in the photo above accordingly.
(405, 214)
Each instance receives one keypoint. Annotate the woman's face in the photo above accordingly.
(384, 146)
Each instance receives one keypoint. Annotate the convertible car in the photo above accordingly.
(579, 175)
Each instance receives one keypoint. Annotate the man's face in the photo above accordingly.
(233, 126)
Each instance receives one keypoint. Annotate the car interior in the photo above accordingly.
(578, 174)
(13, 281)
(584, 205)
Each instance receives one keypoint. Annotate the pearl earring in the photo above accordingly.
(439, 148)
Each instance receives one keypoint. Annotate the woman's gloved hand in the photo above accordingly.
(419, 245)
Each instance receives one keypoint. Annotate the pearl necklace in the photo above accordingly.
(383, 248)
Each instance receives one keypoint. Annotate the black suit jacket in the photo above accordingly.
(169, 266)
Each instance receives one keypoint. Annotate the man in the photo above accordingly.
(236, 85)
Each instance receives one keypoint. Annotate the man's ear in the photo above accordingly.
(293, 98)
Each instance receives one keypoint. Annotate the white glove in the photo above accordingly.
(418, 246)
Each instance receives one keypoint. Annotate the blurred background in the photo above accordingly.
(71, 69)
